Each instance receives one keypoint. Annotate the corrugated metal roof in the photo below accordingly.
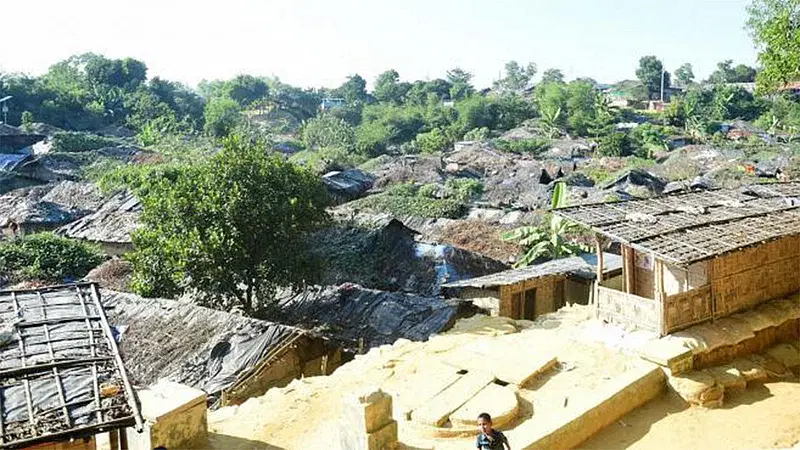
(584, 266)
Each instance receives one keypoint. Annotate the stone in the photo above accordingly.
(698, 388)
(451, 167)
(775, 369)
(752, 372)
(786, 354)
(436, 412)
(499, 401)
(670, 353)
(368, 412)
(728, 377)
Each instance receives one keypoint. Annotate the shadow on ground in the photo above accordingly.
(227, 442)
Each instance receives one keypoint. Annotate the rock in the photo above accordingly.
(774, 369)
(752, 372)
(451, 167)
(698, 389)
(728, 377)
(785, 354)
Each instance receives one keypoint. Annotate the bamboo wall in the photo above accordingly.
(549, 296)
(687, 308)
(625, 309)
(746, 278)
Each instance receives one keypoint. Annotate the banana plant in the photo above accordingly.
(550, 122)
(546, 242)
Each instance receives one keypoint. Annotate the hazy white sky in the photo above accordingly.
(320, 42)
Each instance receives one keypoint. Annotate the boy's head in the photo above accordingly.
(484, 422)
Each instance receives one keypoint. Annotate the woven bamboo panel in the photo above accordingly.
(627, 310)
(688, 308)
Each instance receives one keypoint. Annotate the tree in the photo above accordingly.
(726, 73)
(650, 72)
(774, 27)
(222, 115)
(388, 87)
(684, 75)
(552, 75)
(354, 90)
(551, 99)
(231, 230)
(461, 82)
(581, 111)
(328, 131)
(516, 78)
(549, 241)
(246, 89)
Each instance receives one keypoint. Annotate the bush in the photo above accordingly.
(47, 257)
(432, 141)
(71, 141)
(327, 159)
(463, 189)
(402, 190)
(400, 205)
(615, 144)
(477, 134)
(428, 190)
(328, 131)
(534, 146)
(372, 138)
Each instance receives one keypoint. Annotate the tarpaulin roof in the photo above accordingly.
(61, 375)
(190, 344)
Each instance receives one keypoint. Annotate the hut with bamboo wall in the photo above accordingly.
(528, 292)
(695, 257)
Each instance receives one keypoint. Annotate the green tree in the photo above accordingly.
(649, 72)
(246, 89)
(516, 77)
(461, 82)
(328, 131)
(552, 76)
(581, 112)
(26, 120)
(354, 90)
(727, 73)
(549, 241)
(388, 87)
(222, 115)
(684, 76)
(230, 229)
(774, 27)
(551, 99)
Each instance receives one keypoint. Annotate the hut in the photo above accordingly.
(62, 378)
(228, 356)
(45, 208)
(694, 257)
(528, 292)
(110, 226)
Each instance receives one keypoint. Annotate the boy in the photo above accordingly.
(489, 439)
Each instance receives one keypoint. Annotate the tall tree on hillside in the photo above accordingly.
(775, 30)
(461, 82)
(649, 73)
(246, 89)
(684, 76)
(516, 78)
(552, 75)
(727, 73)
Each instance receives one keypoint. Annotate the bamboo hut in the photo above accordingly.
(697, 256)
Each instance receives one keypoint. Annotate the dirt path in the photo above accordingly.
(765, 416)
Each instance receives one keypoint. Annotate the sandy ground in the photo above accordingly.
(763, 416)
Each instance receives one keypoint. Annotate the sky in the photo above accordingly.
(314, 43)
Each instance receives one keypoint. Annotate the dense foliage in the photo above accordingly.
(232, 228)
(47, 257)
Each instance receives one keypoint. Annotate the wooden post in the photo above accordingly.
(598, 240)
(628, 268)
(660, 295)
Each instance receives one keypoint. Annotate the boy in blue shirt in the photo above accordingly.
(489, 438)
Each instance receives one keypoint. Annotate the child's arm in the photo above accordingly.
(505, 441)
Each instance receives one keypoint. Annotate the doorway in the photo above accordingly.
(529, 305)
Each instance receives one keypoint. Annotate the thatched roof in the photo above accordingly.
(583, 266)
(61, 375)
(183, 342)
(113, 222)
(695, 226)
(50, 204)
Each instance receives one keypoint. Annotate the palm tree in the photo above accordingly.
(546, 242)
